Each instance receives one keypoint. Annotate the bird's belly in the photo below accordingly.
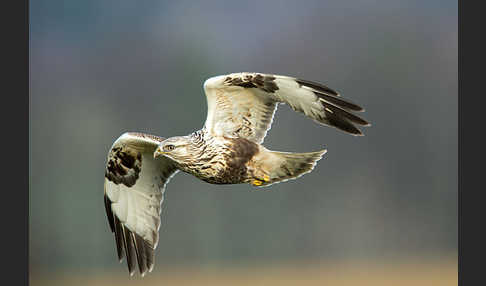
(221, 175)
(225, 161)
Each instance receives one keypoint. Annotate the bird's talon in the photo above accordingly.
(257, 183)
(266, 178)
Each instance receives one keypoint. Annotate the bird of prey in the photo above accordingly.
(227, 150)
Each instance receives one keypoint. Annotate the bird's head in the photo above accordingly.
(176, 148)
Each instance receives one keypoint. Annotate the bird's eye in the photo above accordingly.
(169, 147)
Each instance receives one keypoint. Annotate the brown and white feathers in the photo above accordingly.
(134, 189)
(243, 104)
(241, 107)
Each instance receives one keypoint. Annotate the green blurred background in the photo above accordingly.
(383, 206)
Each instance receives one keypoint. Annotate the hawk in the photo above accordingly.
(227, 150)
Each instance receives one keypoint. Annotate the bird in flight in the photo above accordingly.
(227, 150)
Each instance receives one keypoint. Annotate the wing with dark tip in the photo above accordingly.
(243, 104)
(134, 189)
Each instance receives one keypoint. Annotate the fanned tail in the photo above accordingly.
(287, 166)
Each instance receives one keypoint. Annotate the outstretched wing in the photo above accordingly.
(134, 189)
(243, 104)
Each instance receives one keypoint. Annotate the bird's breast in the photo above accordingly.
(224, 161)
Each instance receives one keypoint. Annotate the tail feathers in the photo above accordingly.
(287, 166)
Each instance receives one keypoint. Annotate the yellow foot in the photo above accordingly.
(266, 178)
(257, 183)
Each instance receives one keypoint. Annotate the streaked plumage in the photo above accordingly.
(227, 150)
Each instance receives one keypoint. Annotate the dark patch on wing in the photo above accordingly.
(124, 166)
(263, 82)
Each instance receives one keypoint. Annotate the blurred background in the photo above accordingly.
(377, 209)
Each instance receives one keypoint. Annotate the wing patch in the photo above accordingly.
(264, 82)
(123, 166)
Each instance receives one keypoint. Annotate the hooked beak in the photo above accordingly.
(158, 153)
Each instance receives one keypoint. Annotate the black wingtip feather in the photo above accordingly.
(119, 239)
(109, 213)
(346, 114)
(150, 254)
(140, 251)
(337, 111)
(129, 250)
(134, 247)
(342, 123)
(338, 101)
(129, 244)
(317, 86)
